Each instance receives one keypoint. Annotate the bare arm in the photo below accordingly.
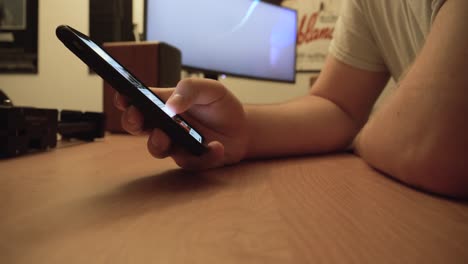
(325, 120)
(421, 135)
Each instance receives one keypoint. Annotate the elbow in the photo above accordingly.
(443, 175)
(437, 168)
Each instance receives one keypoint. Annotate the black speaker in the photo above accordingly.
(25, 128)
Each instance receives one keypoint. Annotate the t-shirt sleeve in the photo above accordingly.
(353, 42)
(436, 5)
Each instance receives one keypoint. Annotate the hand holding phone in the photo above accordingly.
(154, 110)
(215, 110)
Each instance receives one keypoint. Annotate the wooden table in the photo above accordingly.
(110, 202)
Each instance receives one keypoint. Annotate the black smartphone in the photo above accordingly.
(155, 113)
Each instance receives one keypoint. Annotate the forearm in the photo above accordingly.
(310, 124)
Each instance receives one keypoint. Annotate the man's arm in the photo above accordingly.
(421, 135)
(326, 120)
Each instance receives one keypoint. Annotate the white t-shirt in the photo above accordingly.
(383, 35)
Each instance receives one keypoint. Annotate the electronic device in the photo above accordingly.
(155, 113)
(27, 129)
(156, 64)
(246, 38)
(85, 126)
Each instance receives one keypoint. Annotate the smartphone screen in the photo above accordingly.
(142, 88)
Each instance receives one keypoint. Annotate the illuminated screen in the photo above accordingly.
(142, 88)
(246, 38)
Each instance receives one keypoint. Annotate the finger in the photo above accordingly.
(132, 120)
(195, 91)
(120, 101)
(162, 93)
(159, 144)
(211, 159)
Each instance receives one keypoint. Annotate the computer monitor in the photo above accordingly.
(246, 38)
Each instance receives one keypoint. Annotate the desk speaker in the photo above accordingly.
(156, 64)
(26, 128)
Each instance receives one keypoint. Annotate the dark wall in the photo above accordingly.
(111, 20)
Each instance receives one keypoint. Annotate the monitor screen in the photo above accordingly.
(246, 38)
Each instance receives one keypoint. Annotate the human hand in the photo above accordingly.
(210, 108)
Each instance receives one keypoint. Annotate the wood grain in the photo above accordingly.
(110, 202)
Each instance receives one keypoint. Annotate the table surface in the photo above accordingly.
(110, 202)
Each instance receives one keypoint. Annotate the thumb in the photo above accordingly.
(178, 103)
(195, 91)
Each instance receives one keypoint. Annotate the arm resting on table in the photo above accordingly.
(421, 135)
